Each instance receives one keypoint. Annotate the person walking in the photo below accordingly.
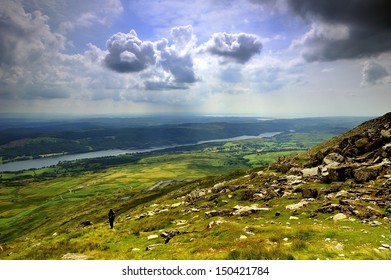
(111, 218)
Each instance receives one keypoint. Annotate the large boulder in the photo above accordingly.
(340, 173)
(339, 217)
(333, 158)
(294, 180)
(310, 193)
(366, 174)
(310, 172)
(316, 158)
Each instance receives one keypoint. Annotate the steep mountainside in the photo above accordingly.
(331, 202)
(357, 161)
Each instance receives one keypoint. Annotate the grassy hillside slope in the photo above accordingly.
(210, 204)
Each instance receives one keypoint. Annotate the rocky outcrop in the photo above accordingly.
(348, 178)
(350, 165)
(195, 196)
(350, 156)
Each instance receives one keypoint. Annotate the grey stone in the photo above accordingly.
(365, 174)
(333, 158)
(297, 206)
(339, 217)
(310, 172)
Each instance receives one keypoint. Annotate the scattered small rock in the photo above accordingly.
(375, 223)
(214, 223)
(153, 236)
(153, 246)
(180, 222)
(74, 256)
(339, 246)
(175, 205)
(36, 245)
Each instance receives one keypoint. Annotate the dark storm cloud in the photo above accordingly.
(238, 48)
(127, 53)
(365, 13)
(367, 26)
(374, 73)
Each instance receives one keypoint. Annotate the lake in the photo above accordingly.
(49, 161)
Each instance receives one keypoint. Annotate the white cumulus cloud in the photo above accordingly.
(239, 47)
(127, 53)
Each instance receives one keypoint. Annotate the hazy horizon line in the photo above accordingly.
(59, 116)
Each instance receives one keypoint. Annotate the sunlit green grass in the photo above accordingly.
(267, 158)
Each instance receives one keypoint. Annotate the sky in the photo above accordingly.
(272, 58)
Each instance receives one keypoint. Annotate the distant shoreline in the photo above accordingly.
(36, 163)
